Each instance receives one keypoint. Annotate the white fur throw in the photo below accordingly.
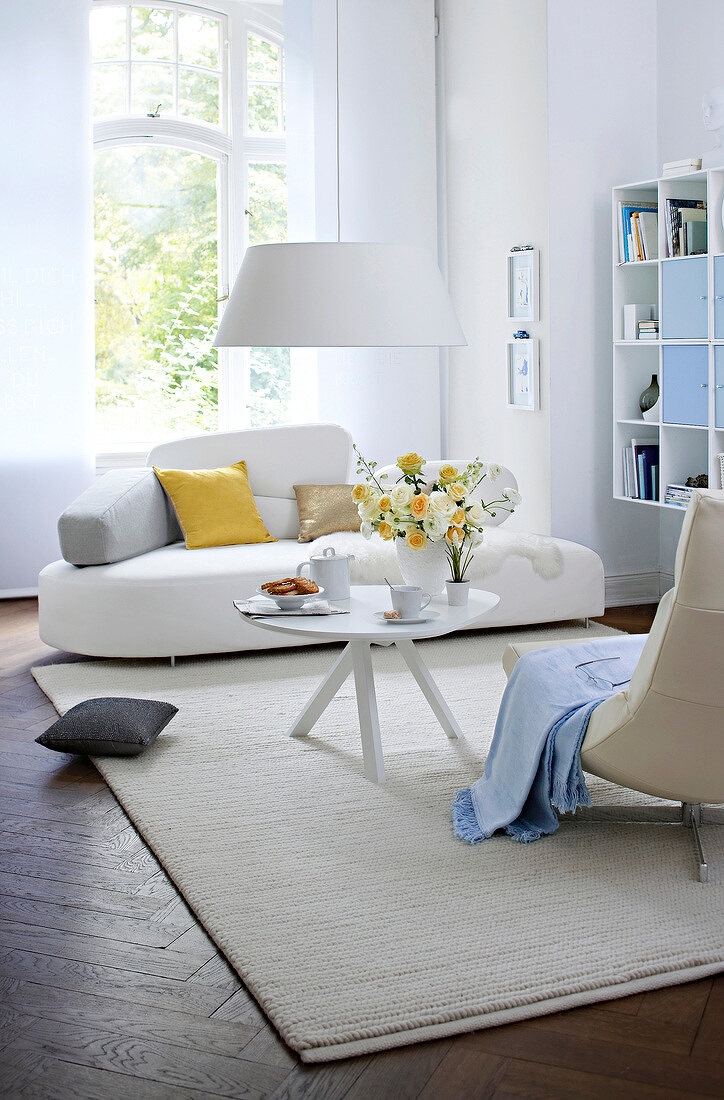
(376, 559)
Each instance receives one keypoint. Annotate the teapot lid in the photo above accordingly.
(328, 554)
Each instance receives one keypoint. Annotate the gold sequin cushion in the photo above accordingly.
(324, 509)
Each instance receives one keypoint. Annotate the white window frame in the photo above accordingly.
(232, 149)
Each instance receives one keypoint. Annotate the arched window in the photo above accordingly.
(189, 168)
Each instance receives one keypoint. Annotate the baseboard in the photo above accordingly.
(17, 593)
(623, 589)
(666, 581)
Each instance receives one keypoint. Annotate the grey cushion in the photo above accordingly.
(109, 727)
(123, 514)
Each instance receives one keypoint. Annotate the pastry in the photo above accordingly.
(392, 614)
(305, 586)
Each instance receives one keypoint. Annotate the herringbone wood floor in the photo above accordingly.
(110, 988)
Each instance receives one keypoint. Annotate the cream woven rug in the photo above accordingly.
(350, 911)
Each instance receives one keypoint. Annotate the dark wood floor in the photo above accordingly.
(110, 988)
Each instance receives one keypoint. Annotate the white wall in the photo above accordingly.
(602, 131)
(45, 280)
(690, 43)
(497, 195)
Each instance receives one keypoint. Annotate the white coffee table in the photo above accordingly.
(360, 630)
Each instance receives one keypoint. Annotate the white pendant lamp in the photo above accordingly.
(338, 295)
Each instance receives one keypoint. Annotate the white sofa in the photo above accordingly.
(171, 601)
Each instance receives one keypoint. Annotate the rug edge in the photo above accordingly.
(481, 1022)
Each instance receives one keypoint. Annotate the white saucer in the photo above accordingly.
(423, 617)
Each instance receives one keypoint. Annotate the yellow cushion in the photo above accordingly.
(215, 507)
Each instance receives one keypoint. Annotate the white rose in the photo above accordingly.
(494, 471)
(369, 509)
(512, 495)
(475, 514)
(442, 507)
(476, 538)
(401, 496)
(434, 526)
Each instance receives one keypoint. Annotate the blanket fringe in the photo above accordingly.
(567, 798)
(465, 823)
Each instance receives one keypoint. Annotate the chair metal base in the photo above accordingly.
(691, 817)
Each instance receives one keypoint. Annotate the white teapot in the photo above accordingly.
(330, 570)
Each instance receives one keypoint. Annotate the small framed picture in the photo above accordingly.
(523, 279)
(523, 374)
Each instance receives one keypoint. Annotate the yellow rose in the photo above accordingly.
(455, 536)
(456, 490)
(410, 463)
(447, 474)
(385, 503)
(385, 530)
(416, 540)
(360, 492)
(418, 506)
(458, 517)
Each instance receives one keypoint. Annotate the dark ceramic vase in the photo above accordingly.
(650, 396)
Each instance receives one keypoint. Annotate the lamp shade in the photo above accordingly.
(338, 296)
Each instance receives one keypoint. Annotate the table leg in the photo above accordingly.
(429, 688)
(369, 723)
(324, 694)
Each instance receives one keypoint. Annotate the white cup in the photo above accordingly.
(407, 600)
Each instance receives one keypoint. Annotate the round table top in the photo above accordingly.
(361, 625)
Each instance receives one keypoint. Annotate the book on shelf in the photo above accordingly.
(637, 236)
(681, 215)
(681, 167)
(641, 470)
(648, 330)
(679, 495)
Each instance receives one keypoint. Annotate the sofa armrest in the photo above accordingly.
(123, 514)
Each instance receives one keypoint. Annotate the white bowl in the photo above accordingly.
(292, 602)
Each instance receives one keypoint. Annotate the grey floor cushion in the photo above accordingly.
(109, 727)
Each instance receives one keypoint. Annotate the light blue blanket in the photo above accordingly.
(534, 762)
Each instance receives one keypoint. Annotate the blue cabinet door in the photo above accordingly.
(685, 388)
(719, 383)
(684, 299)
(719, 297)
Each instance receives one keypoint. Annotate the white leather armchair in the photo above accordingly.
(664, 734)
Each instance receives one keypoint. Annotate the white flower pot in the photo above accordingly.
(457, 593)
(426, 567)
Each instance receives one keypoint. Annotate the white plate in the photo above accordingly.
(423, 617)
(291, 602)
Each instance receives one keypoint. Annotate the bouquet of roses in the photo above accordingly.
(448, 508)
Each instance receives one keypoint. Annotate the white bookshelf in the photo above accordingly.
(685, 449)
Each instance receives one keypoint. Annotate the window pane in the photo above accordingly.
(198, 40)
(267, 203)
(109, 90)
(156, 289)
(198, 95)
(150, 85)
(264, 108)
(108, 33)
(269, 368)
(263, 59)
(152, 33)
(270, 386)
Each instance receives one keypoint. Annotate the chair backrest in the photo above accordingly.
(671, 718)
(276, 459)
(488, 490)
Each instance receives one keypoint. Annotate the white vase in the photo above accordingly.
(427, 567)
